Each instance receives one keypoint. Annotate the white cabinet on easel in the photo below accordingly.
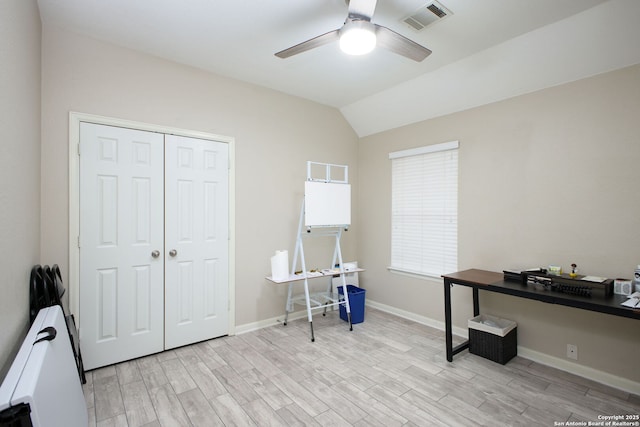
(153, 242)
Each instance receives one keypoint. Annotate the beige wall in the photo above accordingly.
(19, 168)
(546, 178)
(275, 135)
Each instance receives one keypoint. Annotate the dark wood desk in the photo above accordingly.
(494, 282)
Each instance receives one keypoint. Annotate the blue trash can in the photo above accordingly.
(356, 304)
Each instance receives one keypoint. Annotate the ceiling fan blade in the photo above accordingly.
(362, 9)
(325, 38)
(396, 43)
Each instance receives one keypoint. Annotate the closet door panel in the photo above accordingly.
(197, 244)
(121, 225)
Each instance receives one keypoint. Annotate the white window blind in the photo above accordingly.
(424, 212)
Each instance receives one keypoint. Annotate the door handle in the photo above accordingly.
(173, 252)
(155, 254)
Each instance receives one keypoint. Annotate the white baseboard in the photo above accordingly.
(423, 320)
(278, 320)
(583, 371)
(535, 356)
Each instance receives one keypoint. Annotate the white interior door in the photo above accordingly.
(196, 240)
(121, 227)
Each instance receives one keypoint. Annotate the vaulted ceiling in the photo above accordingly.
(484, 51)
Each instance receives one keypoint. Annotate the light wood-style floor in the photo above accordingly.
(387, 372)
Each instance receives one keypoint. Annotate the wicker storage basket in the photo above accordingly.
(493, 338)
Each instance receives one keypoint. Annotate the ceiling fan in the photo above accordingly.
(359, 35)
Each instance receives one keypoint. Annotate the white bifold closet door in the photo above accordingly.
(196, 240)
(153, 242)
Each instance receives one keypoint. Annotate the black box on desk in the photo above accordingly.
(493, 338)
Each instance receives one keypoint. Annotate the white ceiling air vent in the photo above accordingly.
(427, 15)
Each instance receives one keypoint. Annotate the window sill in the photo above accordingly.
(415, 274)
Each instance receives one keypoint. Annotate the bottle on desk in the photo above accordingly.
(636, 279)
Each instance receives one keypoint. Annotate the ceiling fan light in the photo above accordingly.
(357, 38)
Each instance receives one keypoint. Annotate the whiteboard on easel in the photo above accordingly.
(327, 204)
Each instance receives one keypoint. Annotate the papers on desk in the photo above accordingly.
(595, 279)
(314, 274)
(633, 301)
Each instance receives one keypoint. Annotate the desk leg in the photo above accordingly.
(448, 327)
(309, 315)
(289, 307)
(476, 302)
(447, 320)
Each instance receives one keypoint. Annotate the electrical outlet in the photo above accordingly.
(572, 351)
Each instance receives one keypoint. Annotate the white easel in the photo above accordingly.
(317, 228)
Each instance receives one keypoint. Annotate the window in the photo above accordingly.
(424, 209)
